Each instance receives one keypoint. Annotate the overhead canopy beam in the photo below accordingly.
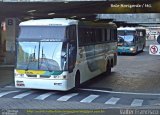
(140, 18)
(20, 9)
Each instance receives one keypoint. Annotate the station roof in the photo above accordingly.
(74, 8)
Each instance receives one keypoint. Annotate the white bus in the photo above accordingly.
(60, 54)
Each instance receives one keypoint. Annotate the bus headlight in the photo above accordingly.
(132, 49)
(19, 75)
(60, 77)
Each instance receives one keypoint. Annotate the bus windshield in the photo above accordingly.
(127, 40)
(41, 56)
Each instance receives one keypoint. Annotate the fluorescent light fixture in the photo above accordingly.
(66, 2)
(83, 18)
(30, 11)
(73, 16)
(31, 17)
(49, 14)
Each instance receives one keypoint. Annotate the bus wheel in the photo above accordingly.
(108, 70)
(77, 80)
(136, 51)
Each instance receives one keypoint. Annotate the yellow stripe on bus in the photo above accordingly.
(30, 72)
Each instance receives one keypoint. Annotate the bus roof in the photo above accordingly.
(131, 28)
(142, 28)
(126, 28)
(49, 22)
(64, 22)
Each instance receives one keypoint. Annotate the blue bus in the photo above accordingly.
(131, 40)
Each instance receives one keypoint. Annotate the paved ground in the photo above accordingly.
(6, 75)
(88, 96)
(139, 73)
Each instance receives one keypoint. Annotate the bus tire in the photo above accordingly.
(77, 80)
(136, 51)
(108, 69)
(112, 63)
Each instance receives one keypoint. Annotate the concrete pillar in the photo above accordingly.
(0, 33)
(8, 39)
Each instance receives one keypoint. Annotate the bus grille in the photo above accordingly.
(45, 76)
(32, 75)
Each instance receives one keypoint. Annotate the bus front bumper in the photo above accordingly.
(126, 50)
(47, 84)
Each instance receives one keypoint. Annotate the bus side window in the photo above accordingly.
(72, 48)
(108, 35)
(72, 33)
(111, 34)
(64, 57)
(81, 36)
(72, 51)
(136, 39)
(115, 34)
(93, 36)
(89, 36)
(103, 35)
